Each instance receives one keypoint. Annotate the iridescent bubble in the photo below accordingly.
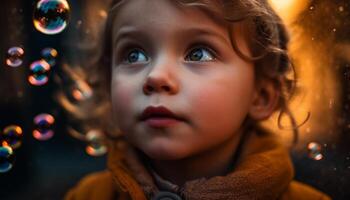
(43, 126)
(14, 56)
(12, 136)
(96, 145)
(81, 90)
(6, 158)
(39, 72)
(49, 55)
(315, 151)
(51, 16)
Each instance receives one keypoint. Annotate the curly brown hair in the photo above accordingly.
(265, 34)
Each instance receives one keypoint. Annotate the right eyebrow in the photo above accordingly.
(128, 31)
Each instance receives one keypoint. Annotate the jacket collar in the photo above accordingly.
(263, 171)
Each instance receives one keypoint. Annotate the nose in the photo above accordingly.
(161, 78)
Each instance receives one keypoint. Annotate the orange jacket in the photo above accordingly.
(263, 171)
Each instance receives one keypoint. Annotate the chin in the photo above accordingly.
(163, 152)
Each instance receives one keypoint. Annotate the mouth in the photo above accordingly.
(159, 117)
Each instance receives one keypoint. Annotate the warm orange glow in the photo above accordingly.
(289, 9)
(316, 78)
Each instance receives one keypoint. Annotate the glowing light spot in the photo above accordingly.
(315, 151)
(51, 16)
(81, 91)
(96, 146)
(14, 57)
(43, 127)
(12, 136)
(6, 159)
(39, 71)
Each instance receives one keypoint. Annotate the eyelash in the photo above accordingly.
(130, 48)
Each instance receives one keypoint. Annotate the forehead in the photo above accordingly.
(166, 16)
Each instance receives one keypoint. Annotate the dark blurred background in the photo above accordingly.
(47, 169)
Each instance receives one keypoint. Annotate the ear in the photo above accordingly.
(265, 100)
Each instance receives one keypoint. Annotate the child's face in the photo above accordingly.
(180, 58)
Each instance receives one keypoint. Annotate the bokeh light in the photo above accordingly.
(81, 90)
(6, 159)
(51, 16)
(49, 55)
(43, 127)
(315, 151)
(14, 57)
(96, 145)
(39, 73)
(12, 136)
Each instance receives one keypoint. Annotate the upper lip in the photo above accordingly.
(159, 111)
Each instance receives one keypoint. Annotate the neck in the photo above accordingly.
(216, 161)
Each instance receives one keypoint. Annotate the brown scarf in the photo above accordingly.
(263, 171)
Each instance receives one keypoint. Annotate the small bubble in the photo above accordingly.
(79, 23)
(15, 56)
(96, 146)
(51, 16)
(39, 73)
(12, 136)
(49, 55)
(81, 91)
(43, 126)
(341, 8)
(312, 38)
(312, 8)
(334, 29)
(6, 159)
(315, 151)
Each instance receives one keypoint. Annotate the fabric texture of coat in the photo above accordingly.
(263, 171)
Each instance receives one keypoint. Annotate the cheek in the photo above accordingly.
(221, 108)
(121, 100)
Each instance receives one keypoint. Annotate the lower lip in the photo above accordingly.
(161, 122)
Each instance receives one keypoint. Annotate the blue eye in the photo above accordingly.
(201, 55)
(136, 56)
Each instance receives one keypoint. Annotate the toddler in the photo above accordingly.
(187, 83)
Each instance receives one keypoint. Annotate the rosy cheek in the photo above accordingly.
(121, 99)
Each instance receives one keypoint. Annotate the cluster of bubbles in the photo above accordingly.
(314, 151)
(51, 16)
(11, 138)
(39, 70)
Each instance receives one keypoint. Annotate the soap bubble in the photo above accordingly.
(6, 158)
(51, 16)
(96, 146)
(12, 136)
(315, 151)
(39, 73)
(49, 55)
(14, 56)
(81, 90)
(43, 126)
